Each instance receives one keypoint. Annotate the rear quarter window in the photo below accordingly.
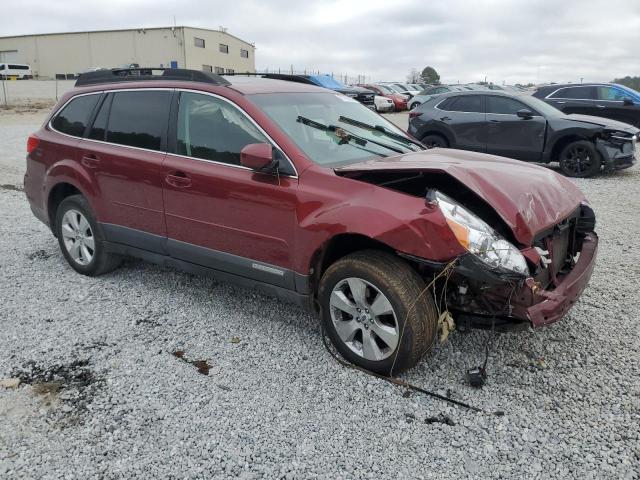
(73, 118)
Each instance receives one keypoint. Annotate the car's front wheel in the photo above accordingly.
(376, 311)
(81, 239)
(580, 159)
(435, 141)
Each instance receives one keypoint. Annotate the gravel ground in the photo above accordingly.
(103, 393)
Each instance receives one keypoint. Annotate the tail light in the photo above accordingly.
(32, 143)
(414, 114)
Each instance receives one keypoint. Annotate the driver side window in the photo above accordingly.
(212, 129)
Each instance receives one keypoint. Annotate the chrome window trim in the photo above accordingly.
(273, 142)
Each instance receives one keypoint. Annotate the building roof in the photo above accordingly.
(140, 29)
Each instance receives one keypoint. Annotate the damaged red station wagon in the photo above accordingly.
(306, 194)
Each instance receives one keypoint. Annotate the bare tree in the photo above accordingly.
(414, 76)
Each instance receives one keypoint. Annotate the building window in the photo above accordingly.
(198, 42)
(223, 48)
(230, 70)
(219, 70)
(244, 53)
(207, 68)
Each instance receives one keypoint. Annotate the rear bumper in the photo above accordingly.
(551, 306)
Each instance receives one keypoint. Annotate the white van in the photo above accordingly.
(20, 71)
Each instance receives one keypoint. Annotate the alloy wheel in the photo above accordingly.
(578, 160)
(78, 237)
(364, 319)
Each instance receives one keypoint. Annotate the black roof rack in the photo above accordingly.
(275, 76)
(116, 75)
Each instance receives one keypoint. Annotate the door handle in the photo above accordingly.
(178, 179)
(90, 160)
(494, 121)
(561, 103)
(601, 106)
(445, 119)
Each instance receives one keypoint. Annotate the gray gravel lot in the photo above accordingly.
(103, 395)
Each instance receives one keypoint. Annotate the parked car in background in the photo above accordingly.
(383, 104)
(524, 128)
(310, 196)
(362, 95)
(399, 101)
(404, 89)
(397, 90)
(607, 100)
(427, 93)
(15, 70)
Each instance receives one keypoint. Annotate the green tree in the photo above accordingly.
(631, 82)
(429, 75)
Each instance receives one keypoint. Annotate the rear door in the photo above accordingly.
(220, 214)
(123, 153)
(511, 136)
(578, 99)
(464, 116)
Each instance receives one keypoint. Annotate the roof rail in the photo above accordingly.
(116, 75)
(298, 78)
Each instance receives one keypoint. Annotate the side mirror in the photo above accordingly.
(524, 113)
(258, 157)
(627, 101)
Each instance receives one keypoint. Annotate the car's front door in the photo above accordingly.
(512, 136)
(123, 153)
(464, 116)
(220, 214)
(619, 105)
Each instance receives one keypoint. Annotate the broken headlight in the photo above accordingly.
(479, 238)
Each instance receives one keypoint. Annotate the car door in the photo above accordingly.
(618, 105)
(580, 99)
(123, 153)
(512, 136)
(464, 117)
(220, 214)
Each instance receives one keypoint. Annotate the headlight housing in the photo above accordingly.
(479, 238)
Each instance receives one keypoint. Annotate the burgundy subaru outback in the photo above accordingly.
(306, 194)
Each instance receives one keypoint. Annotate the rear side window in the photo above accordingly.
(504, 105)
(576, 93)
(465, 103)
(139, 118)
(73, 118)
(610, 93)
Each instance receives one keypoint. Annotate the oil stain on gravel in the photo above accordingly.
(40, 255)
(71, 387)
(201, 365)
(13, 188)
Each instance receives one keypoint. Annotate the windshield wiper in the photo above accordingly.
(345, 135)
(381, 129)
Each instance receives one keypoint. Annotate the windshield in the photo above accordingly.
(385, 89)
(403, 87)
(326, 81)
(540, 106)
(326, 147)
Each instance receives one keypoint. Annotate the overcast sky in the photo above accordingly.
(465, 40)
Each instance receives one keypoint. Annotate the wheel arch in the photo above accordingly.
(56, 195)
(562, 142)
(448, 136)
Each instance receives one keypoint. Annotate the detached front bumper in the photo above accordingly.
(616, 156)
(551, 306)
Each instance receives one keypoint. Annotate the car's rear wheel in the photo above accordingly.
(414, 105)
(376, 311)
(580, 159)
(81, 239)
(434, 140)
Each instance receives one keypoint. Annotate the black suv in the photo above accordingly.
(607, 100)
(524, 128)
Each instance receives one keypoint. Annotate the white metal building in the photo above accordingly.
(66, 54)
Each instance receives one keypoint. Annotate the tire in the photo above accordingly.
(580, 159)
(365, 338)
(414, 105)
(81, 239)
(433, 140)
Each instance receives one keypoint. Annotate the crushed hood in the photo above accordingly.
(527, 197)
(602, 122)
